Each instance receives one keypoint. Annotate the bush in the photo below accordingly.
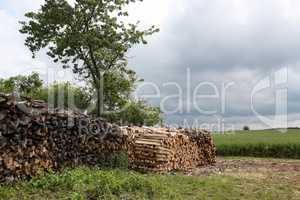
(246, 128)
(137, 113)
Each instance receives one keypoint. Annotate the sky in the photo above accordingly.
(214, 63)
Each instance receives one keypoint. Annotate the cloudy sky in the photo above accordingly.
(209, 60)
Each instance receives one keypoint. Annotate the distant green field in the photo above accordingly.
(265, 143)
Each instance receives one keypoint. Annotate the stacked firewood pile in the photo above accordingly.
(34, 139)
(162, 150)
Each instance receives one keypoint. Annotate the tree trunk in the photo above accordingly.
(100, 102)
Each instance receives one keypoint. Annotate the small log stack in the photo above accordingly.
(163, 150)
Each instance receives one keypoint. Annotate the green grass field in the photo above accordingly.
(265, 143)
(85, 183)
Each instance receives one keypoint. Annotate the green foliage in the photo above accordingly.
(268, 143)
(66, 95)
(139, 113)
(136, 113)
(118, 86)
(92, 33)
(29, 85)
(86, 183)
(117, 90)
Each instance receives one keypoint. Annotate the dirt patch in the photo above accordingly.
(250, 167)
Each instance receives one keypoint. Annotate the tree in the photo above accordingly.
(117, 97)
(90, 37)
(246, 128)
(118, 87)
(56, 94)
(137, 113)
(25, 85)
(123, 109)
(65, 95)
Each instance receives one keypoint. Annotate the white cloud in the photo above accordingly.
(15, 58)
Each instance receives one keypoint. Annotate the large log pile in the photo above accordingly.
(163, 150)
(34, 139)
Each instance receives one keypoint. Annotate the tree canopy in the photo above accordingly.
(90, 36)
(27, 85)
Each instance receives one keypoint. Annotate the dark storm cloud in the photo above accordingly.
(223, 41)
(223, 35)
(216, 35)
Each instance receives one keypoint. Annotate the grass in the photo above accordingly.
(86, 183)
(265, 143)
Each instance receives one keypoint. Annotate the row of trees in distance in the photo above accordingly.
(120, 106)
